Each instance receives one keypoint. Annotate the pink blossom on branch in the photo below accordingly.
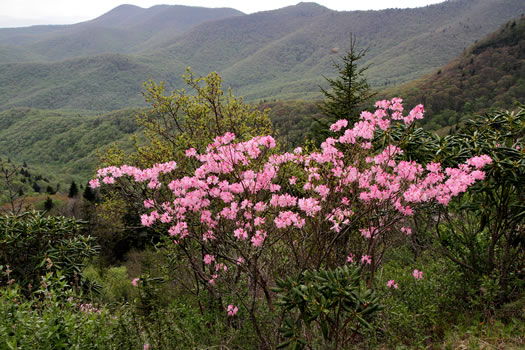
(238, 196)
(417, 274)
(392, 284)
(366, 260)
(232, 310)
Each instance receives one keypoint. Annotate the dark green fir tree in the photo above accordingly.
(348, 94)
(73, 190)
(89, 194)
(48, 204)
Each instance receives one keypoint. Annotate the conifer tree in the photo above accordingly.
(36, 187)
(348, 92)
(89, 194)
(48, 204)
(73, 190)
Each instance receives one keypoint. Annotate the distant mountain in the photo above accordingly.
(488, 75)
(283, 53)
(280, 54)
(124, 29)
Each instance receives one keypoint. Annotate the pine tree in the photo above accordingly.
(348, 94)
(73, 190)
(89, 194)
(48, 204)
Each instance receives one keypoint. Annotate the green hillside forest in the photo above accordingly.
(280, 54)
(487, 76)
(180, 177)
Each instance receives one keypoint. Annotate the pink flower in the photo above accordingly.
(240, 234)
(417, 274)
(191, 152)
(135, 282)
(260, 206)
(366, 145)
(212, 280)
(338, 125)
(406, 230)
(480, 161)
(258, 238)
(366, 259)
(94, 183)
(208, 259)
(391, 284)
(108, 180)
(309, 205)
(146, 346)
(232, 310)
(149, 203)
(367, 232)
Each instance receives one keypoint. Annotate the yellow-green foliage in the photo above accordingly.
(182, 119)
(116, 285)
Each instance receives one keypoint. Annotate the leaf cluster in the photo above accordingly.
(329, 301)
(32, 245)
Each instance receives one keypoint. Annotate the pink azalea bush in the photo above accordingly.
(258, 213)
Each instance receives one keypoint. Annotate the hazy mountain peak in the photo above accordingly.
(310, 7)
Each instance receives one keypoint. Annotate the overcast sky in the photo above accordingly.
(27, 12)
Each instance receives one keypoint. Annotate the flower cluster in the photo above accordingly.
(392, 284)
(89, 308)
(232, 310)
(239, 194)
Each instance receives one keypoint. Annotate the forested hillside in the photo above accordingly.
(488, 75)
(280, 54)
(63, 143)
(125, 29)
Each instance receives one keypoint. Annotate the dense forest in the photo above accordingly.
(324, 213)
(487, 76)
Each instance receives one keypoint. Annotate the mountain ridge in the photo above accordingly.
(278, 54)
(69, 141)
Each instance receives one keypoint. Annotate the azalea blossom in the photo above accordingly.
(232, 310)
(417, 274)
(392, 284)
